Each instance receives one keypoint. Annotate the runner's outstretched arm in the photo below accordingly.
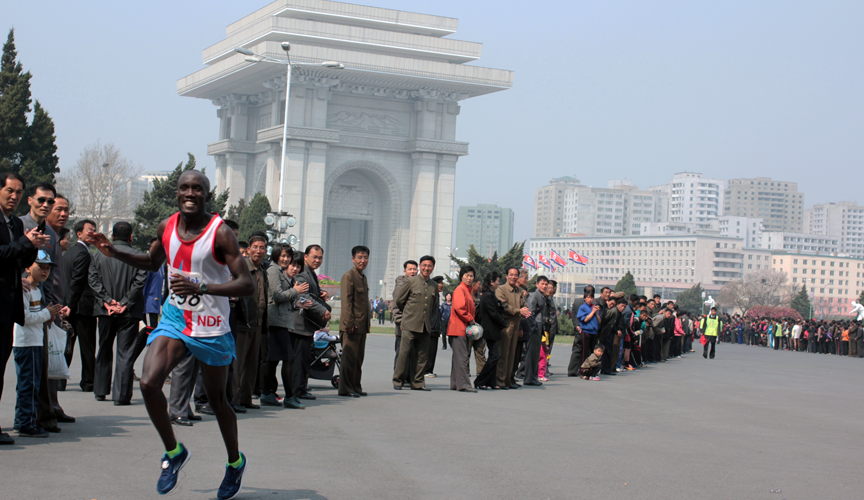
(150, 261)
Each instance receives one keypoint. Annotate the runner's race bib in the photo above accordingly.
(189, 302)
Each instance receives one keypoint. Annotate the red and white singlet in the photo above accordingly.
(196, 315)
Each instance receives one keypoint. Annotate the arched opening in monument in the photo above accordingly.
(359, 210)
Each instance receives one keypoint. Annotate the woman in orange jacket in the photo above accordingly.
(461, 315)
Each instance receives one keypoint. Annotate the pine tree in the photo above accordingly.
(39, 162)
(14, 106)
(627, 285)
(690, 300)
(483, 265)
(161, 203)
(235, 211)
(252, 218)
(801, 302)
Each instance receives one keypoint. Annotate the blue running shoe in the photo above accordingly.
(233, 482)
(170, 468)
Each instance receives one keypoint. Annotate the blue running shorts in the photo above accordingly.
(213, 351)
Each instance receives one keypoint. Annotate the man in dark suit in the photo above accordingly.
(80, 300)
(251, 327)
(315, 317)
(416, 300)
(354, 323)
(17, 251)
(537, 304)
(118, 289)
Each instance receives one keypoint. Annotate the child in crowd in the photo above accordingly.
(27, 348)
(324, 334)
(591, 367)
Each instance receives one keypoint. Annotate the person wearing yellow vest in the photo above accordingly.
(710, 327)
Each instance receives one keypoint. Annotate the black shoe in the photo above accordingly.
(397, 387)
(122, 403)
(514, 386)
(534, 383)
(308, 396)
(421, 389)
(361, 393)
(238, 409)
(252, 406)
(467, 390)
(517, 385)
(66, 419)
(100, 398)
(53, 429)
(33, 432)
(6, 438)
(350, 395)
(204, 409)
(293, 403)
(194, 417)
(705, 356)
(86, 388)
(181, 421)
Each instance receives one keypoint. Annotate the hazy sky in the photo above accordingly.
(603, 90)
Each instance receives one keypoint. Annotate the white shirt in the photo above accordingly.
(35, 314)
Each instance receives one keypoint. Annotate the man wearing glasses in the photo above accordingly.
(41, 200)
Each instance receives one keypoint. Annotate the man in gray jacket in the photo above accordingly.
(42, 197)
(118, 289)
(315, 317)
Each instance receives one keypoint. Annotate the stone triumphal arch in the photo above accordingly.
(371, 151)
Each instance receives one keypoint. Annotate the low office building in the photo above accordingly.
(661, 264)
(834, 282)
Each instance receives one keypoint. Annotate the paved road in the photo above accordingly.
(737, 427)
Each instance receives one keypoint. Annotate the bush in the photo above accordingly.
(565, 325)
(772, 312)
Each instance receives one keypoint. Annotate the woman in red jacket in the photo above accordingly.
(461, 315)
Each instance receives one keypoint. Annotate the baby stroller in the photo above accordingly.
(326, 356)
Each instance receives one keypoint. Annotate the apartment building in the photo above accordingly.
(844, 220)
(488, 227)
(834, 281)
(778, 203)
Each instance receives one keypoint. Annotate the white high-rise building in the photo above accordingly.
(620, 209)
(844, 219)
(747, 228)
(692, 197)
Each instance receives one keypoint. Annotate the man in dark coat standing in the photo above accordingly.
(537, 304)
(354, 324)
(81, 300)
(17, 251)
(119, 292)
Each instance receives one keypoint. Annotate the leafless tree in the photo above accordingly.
(765, 287)
(100, 185)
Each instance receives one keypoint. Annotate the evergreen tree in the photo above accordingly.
(235, 211)
(39, 162)
(627, 285)
(801, 302)
(28, 149)
(483, 265)
(252, 218)
(691, 299)
(14, 106)
(161, 203)
(861, 297)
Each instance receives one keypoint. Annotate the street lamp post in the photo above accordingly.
(255, 58)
